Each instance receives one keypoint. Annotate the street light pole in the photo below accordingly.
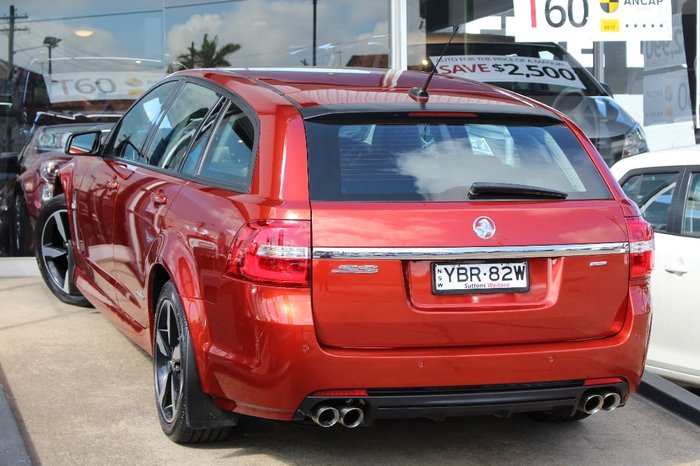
(51, 42)
(10, 67)
(313, 46)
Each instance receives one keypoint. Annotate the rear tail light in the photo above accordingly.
(272, 251)
(641, 247)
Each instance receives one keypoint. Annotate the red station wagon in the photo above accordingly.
(320, 246)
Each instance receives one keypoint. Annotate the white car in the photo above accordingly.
(666, 187)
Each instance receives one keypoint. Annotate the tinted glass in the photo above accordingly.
(179, 125)
(229, 157)
(439, 160)
(200, 140)
(136, 124)
(653, 193)
(691, 217)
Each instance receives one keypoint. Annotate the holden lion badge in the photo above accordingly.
(484, 227)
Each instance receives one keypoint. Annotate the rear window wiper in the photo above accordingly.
(485, 190)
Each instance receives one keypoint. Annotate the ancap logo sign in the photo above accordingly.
(609, 6)
(484, 227)
(611, 20)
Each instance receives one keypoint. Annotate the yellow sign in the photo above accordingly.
(609, 25)
(609, 6)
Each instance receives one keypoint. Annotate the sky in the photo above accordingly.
(270, 32)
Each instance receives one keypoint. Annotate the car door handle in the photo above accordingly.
(676, 268)
(159, 198)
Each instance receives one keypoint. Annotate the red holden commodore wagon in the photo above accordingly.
(320, 246)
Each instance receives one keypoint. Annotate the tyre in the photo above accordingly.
(175, 374)
(54, 252)
(20, 227)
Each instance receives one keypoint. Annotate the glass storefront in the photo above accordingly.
(72, 61)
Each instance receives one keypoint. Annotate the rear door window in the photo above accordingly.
(229, 158)
(440, 160)
(653, 193)
(134, 128)
(178, 126)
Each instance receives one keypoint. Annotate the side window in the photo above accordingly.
(691, 211)
(653, 193)
(200, 140)
(134, 127)
(178, 126)
(631, 186)
(229, 157)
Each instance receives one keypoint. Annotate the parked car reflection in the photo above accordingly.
(666, 186)
(33, 185)
(545, 72)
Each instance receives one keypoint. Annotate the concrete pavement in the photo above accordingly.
(85, 394)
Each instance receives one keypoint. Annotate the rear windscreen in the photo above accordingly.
(439, 160)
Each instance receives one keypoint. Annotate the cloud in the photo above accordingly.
(280, 32)
(447, 169)
(271, 32)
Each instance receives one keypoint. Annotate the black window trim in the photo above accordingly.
(536, 119)
(230, 98)
(239, 188)
(247, 109)
(156, 125)
(166, 105)
(218, 107)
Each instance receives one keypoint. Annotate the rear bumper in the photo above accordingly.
(273, 364)
(564, 398)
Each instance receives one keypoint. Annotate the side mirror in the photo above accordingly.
(87, 143)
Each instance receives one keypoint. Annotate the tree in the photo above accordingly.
(207, 56)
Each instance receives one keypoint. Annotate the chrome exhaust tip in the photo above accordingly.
(611, 401)
(351, 416)
(591, 404)
(325, 416)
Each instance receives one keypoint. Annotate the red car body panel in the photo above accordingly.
(554, 309)
(286, 363)
(261, 349)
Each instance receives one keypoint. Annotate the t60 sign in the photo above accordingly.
(599, 20)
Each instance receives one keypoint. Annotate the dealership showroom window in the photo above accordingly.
(623, 70)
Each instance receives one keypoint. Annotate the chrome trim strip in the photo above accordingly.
(503, 252)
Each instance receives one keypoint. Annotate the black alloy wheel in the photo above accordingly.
(175, 374)
(167, 359)
(54, 252)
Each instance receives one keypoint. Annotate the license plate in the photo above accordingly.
(480, 277)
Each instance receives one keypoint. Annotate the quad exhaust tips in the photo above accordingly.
(591, 404)
(325, 416)
(351, 416)
(611, 401)
(328, 416)
(594, 402)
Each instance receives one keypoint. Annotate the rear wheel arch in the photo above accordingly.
(185, 412)
(54, 252)
(159, 277)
